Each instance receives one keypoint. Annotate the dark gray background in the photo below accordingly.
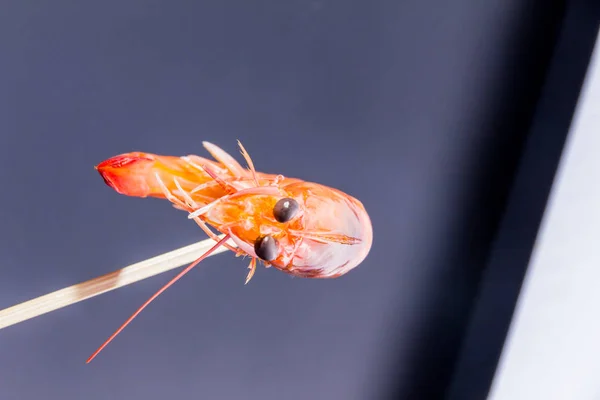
(402, 104)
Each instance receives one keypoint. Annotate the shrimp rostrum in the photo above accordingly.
(302, 228)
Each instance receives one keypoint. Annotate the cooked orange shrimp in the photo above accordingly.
(304, 229)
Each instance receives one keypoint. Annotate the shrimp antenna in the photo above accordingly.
(155, 295)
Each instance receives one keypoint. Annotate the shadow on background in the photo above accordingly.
(516, 237)
(514, 99)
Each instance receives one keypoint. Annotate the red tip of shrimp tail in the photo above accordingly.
(127, 173)
(140, 174)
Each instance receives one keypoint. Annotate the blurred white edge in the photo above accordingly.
(552, 351)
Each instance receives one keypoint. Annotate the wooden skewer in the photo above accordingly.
(105, 283)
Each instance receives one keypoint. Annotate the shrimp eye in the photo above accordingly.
(285, 209)
(266, 248)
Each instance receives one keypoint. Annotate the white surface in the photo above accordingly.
(553, 347)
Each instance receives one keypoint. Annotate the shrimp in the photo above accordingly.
(302, 228)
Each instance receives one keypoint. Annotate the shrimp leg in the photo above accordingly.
(187, 207)
(191, 205)
(249, 162)
(252, 268)
(225, 159)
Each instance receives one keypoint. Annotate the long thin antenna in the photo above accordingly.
(105, 283)
(158, 293)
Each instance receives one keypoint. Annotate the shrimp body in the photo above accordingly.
(329, 234)
(304, 229)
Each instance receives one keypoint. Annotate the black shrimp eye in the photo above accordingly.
(285, 209)
(266, 248)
